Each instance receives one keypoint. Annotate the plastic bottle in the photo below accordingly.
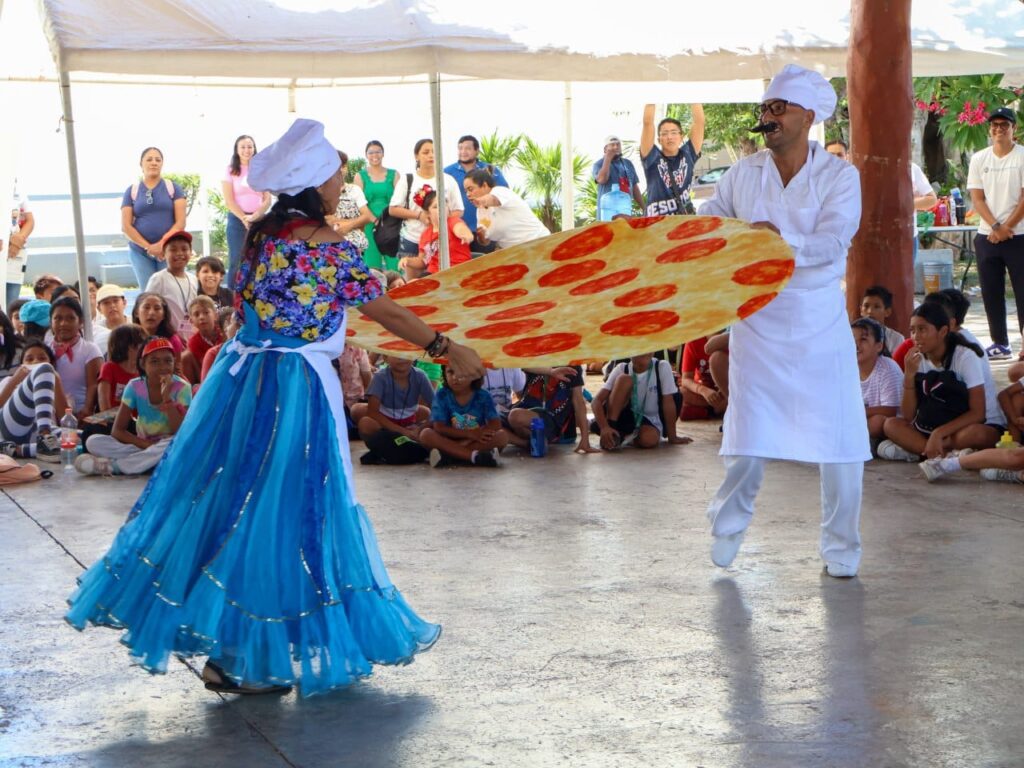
(538, 438)
(958, 204)
(942, 215)
(1007, 441)
(68, 440)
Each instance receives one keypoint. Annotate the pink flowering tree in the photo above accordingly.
(961, 106)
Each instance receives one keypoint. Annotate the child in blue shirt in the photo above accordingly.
(465, 425)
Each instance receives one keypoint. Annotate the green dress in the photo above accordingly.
(378, 196)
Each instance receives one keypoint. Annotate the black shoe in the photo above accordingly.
(439, 460)
(48, 448)
(370, 458)
(486, 458)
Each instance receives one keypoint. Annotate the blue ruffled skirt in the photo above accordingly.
(248, 546)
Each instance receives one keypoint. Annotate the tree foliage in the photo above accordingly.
(189, 183)
(962, 105)
(543, 168)
(499, 150)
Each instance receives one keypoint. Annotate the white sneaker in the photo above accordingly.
(725, 548)
(932, 469)
(887, 449)
(1003, 475)
(840, 571)
(88, 464)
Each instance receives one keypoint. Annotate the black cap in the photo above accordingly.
(1004, 113)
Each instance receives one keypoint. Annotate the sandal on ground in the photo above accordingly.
(217, 680)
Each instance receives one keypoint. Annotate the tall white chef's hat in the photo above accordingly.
(804, 87)
(301, 158)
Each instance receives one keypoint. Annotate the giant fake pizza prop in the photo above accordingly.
(608, 290)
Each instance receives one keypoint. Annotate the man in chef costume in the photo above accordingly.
(793, 381)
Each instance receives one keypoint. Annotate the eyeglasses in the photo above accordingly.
(1000, 125)
(776, 108)
(374, 152)
(149, 197)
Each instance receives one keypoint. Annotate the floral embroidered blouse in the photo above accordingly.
(301, 290)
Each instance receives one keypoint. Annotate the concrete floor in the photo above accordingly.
(584, 626)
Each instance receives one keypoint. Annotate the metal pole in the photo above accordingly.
(442, 212)
(76, 201)
(568, 180)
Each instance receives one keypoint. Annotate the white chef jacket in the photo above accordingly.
(794, 386)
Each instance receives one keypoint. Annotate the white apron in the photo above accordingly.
(794, 385)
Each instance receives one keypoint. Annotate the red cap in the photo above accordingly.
(181, 234)
(155, 345)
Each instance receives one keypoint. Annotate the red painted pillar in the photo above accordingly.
(880, 92)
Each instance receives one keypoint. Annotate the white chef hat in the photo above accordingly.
(301, 158)
(804, 87)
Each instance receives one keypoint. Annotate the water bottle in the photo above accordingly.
(68, 440)
(942, 215)
(538, 438)
(958, 205)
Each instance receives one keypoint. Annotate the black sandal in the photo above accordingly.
(224, 684)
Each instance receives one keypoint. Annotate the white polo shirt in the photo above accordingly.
(1002, 181)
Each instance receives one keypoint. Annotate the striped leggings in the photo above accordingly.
(30, 406)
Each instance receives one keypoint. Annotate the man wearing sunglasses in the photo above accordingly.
(995, 180)
(669, 169)
(794, 386)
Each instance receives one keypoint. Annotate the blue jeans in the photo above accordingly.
(13, 292)
(236, 241)
(143, 265)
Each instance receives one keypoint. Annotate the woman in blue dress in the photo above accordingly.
(248, 545)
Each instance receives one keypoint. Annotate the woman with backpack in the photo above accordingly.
(378, 185)
(150, 210)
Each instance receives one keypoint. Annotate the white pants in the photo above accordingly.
(842, 485)
(130, 459)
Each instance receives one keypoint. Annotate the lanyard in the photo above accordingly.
(636, 404)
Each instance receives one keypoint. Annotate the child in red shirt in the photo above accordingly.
(123, 348)
(459, 238)
(702, 398)
(227, 321)
(202, 313)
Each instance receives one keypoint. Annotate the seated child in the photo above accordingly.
(202, 314)
(123, 348)
(227, 321)
(355, 373)
(1000, 464)
(35, 319)
(556, 396)
(398, 399)
(465, 425)
(157, 401)
(944, 405)
(30, 400)
(428, 259)
(637, 404)
(14, 313)
(153, 314)
(505, 385)
(877, 304)
(1011, 400)
(880, 378)
(78, 361)
(702, 399)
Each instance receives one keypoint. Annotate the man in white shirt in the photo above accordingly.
(995, 180)
(176, 285)
(794, 385)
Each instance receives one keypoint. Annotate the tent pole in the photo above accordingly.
(442, 213)
(568, 180)
(76, 200)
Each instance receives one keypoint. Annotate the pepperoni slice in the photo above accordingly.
(641, 323)
(700, 225)
(768, 272)
(400, 346)
(495, 277)
(571, 273)
(367, 318)
(349, 332)
(504, 330)
(585, 243)
(614, 280)
(421, 310)
(652, 294)
(538, 346)
(748, 308)
(691, 251)
(524, 310)
(443, 327)
(643, 222)
(419, 287)
(495, 297)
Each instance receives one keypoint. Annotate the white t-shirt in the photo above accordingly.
(356, 194)
(512, 222)
(883, 388)
(1001, 179)
(413, 228)
(72, 372)
(178, 291)
(502, 383)
(919, 181)
(970, 369)
(647, 386)
(991, 393)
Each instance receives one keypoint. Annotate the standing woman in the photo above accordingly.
(150, 210)
(378, 185)
(244, 204)
(407, 203)
(352, 213)
(248, 545)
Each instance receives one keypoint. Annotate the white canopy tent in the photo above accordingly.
(593, 42)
